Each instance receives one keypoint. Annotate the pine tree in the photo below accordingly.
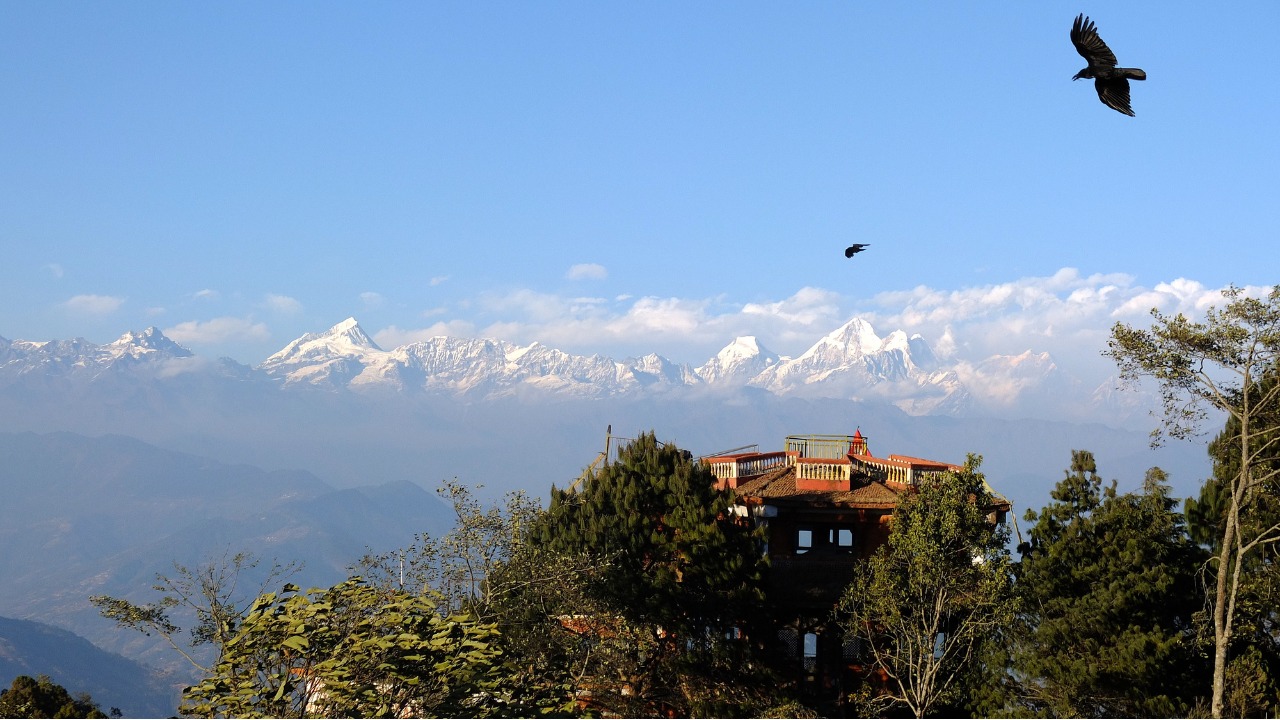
(1109, 587)
(682, 577)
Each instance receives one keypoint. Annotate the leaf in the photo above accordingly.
(297, 642)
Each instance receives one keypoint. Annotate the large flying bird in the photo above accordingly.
(855, 248)
(1111, 82)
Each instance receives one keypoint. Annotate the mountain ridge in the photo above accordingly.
(852, 362)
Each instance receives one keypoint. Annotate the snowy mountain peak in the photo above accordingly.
(897, 340)
(742, 359)
(346, 339)
(852, 340)
(148, 342)
(741, 348)
(349, 332)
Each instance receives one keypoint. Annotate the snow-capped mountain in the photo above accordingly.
(345, 356)
(739, 362)
(334, 358)
(854, 362)
(850, 357)
(851, 362)
(149, 349)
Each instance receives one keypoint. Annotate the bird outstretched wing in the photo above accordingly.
(1114, 93)
(855, 248)
(1084, 35)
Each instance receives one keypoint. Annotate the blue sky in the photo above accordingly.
(626, 178)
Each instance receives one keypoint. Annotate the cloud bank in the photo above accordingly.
(217, 331)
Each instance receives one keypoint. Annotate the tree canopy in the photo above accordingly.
(930, 595)
(682, 579)
(41, 697)
(1109, 585)
(353, 650)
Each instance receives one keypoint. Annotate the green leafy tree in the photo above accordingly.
(211, 594)
(932, 594)
(1109, 584)
(489, 568)
(672, 611)
(353, 650)
(40, 697)
(1219, 364)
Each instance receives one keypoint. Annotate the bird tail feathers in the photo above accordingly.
(1132, 73)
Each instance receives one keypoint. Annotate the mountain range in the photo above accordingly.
(852, 362)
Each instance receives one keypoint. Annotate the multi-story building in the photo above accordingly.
(826, 503)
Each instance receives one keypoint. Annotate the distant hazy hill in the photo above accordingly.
(32, 648)
(84, 516)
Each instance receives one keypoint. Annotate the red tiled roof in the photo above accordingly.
(922, 461)
(780, 484)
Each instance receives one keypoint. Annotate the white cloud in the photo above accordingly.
(371, 300)
(54, 269)
(218, 330)
(669, 317)
(809, 306)
(94, 304)
(206, 294)
(1179, 296)
(1067, 314)
(282, 304)
(438, 279)
(587, 271)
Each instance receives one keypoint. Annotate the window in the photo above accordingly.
(840, 539)
(810, 652)
(824, 539)
(804, 541)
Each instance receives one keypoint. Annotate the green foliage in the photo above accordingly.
(679, 589)
(40, 697)
(353, 650)
(931, 595)
(1109, 585)
(675, 557)
(488, 568)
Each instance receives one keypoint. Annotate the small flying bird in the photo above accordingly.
(855, 248)
(1111, 82)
